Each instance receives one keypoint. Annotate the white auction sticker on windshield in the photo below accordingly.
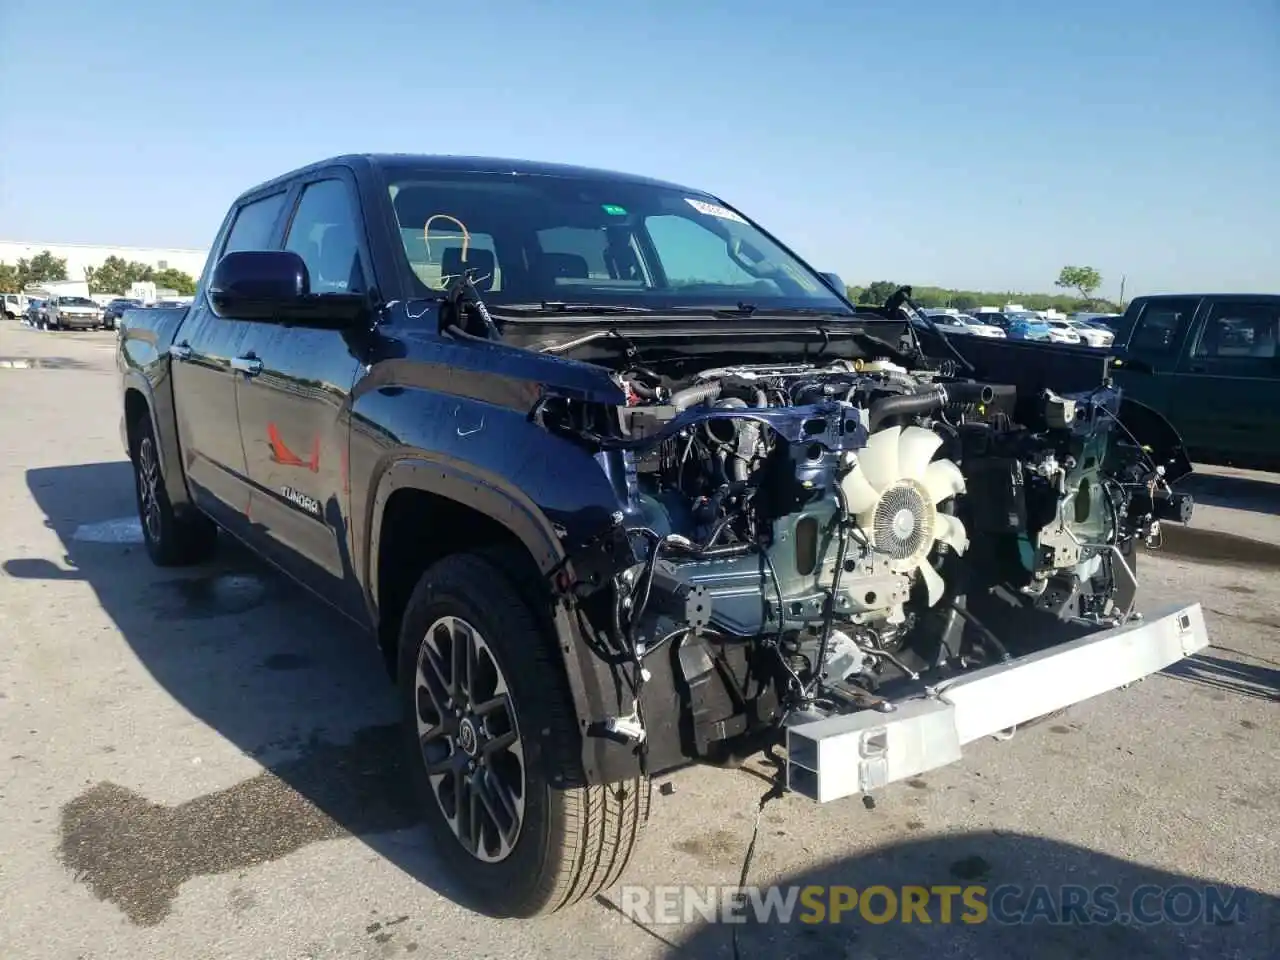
(713, 210)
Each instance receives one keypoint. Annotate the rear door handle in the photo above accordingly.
(180, 351)
(249, 366)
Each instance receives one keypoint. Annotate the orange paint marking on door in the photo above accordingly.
(281, 453)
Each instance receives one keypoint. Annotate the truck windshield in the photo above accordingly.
(536, 239)
(75, 302)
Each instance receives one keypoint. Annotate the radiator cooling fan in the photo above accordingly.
(894, 491)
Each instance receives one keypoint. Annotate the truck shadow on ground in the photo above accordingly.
(1023, 879)
(274, 672)
(1240, 493)
(1253, 680)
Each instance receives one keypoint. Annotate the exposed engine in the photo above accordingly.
(829, 524)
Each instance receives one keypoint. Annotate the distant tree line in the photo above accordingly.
(1083, 281)
(115, 275)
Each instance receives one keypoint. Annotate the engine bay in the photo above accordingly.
(804, 535)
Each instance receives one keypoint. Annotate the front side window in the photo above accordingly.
(534, 239)
(323, 233)
(1160, 327)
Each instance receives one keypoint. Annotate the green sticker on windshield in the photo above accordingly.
(613, 210)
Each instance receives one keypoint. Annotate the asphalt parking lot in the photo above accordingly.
(201, 763)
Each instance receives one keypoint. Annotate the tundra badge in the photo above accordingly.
(309, 504)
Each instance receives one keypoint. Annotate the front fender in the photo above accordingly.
(1158, 436)
(593, 684)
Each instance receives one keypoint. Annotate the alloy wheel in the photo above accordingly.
(470, 741)
(149, 488)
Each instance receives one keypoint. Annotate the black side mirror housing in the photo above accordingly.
(274, 286)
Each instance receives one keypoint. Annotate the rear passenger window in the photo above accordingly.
(1161, 325)
(254, 223)
(1240, 330)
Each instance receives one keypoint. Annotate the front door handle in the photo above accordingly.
(180, 351)
(249, 366)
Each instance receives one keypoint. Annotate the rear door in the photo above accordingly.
(204, 387)
(294, 402)
(1227, 392)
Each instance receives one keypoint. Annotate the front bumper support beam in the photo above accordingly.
(856, 753)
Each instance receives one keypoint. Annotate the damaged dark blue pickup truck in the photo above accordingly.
(619, 483)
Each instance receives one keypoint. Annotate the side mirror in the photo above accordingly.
(835, 281)
(274, 286)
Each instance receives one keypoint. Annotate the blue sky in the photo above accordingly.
(979, 144)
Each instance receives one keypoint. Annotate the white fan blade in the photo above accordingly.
(951, 531)
(943, 479)
(859, 493)
(880, 458)
(933, 583)
(915, 450)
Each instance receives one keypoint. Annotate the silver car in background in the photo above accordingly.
(74, 313)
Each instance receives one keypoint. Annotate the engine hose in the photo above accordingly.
(990, 638)
(643, 390)
(966, 391)
(905, 404)
(689, 396)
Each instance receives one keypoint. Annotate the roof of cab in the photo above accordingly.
(398, 164)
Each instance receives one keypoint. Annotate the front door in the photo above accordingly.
(293, 388)
(204, 388)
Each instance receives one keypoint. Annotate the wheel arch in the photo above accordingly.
(424, 510)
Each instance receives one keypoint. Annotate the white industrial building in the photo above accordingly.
(82, 255)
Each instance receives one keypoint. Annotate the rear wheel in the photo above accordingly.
(494, 747)
(171, 540)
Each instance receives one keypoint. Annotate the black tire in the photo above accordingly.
(171, 540)
(571, 840)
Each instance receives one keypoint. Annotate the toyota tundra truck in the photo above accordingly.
(618, 483)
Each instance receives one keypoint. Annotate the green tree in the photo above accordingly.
(879, 292)
(172, 279)
(43, 266)
(1084, 279)
(9, 279)
(117, 274)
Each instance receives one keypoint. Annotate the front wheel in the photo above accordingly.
(494, 747)
(171, 540)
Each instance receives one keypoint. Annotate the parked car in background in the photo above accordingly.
(1093, 335)
(1209, 363)
(952, 321)
(114, 310)
(74, 313)
(1107, 321)
(976, 327)
(1025, 325)
(1061, 331)
(14, 305)
(37, 314)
